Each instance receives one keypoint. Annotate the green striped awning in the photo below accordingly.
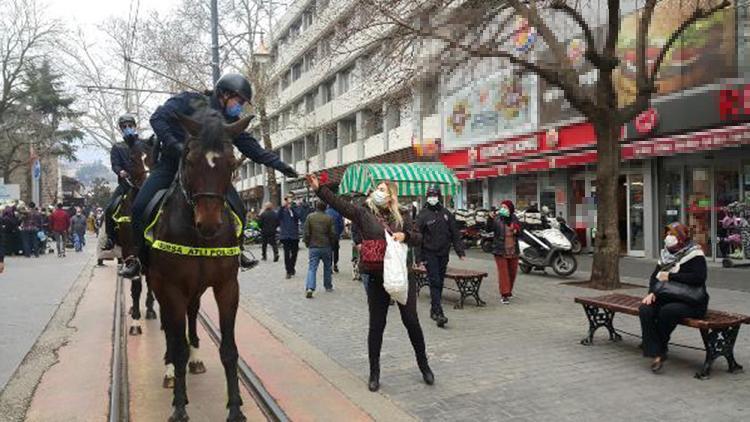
(412, 179)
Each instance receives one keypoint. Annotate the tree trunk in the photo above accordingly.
(605, 271)
(265, 131)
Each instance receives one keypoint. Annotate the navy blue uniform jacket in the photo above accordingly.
(169, 131)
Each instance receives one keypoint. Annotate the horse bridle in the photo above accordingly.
(191, 197)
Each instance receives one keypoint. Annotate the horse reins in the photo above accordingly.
(192, 197)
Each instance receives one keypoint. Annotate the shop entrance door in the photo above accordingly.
(698, 206)
(635, 241)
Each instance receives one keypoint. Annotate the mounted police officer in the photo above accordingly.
(439, 232)
(231, 93)
(122, 166)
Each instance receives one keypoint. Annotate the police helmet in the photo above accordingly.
(126, 118)
(236, 84)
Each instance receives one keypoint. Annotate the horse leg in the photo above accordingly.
(195, 365)
(174, 325)
(227, 299)
(168, 381)
(150, 313)
(136, 286)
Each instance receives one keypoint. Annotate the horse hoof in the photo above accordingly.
(179, 415)
(235, 415)
(135, 330)
(196, 367)
(150, 314)
(168, 382)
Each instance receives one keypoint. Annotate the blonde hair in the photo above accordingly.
(393, 207)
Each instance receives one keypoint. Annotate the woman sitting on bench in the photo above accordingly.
(677, 290)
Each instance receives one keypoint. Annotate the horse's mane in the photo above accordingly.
(212, 136)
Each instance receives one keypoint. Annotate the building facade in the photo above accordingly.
(327, 108)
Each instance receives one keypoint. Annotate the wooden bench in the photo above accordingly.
(718, 329)
(467, 282)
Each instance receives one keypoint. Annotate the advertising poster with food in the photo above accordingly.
(704, 54)
(500, 106)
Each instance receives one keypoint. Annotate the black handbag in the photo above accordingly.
(674, 291)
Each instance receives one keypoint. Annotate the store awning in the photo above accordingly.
(412, 179)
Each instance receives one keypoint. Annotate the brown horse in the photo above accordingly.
(142, 160)
(195, 246)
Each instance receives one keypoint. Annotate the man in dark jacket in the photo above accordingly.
(269, 223)
(439, 232)
(320, 235)
(338, 225)
(231, 93)
(122, 166)
(289, 218)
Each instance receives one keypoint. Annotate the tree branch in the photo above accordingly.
(592, 54)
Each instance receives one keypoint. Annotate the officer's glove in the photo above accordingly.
(290, 173)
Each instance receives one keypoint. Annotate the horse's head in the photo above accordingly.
(207, 166)
(140, 160)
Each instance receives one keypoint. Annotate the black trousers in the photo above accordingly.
(378, 301)
(436, 266)
(109, 227)
(291, 248)
(335, 252)
(659, 320)
(269, 240)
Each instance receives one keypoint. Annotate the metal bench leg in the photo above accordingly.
(469, 287)
(719, 343)
(598, 318)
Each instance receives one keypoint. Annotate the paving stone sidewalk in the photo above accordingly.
(521, 362)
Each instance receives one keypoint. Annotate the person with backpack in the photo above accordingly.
(439, 232)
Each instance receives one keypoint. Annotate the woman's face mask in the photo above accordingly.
(670, 242)
(380, 198)
(504, 212)
(433, 200)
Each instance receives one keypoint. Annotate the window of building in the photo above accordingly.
(295, 109)
(349, 131)
(299, 150)
(331, 139)
(285, 80)
(373, 122)
(284, 119)
(310, 102)
(307, 18)
(345, 81)
(328, 91)
(324, 46)
(295, 29)
(312, 145)
(310, 58)
(296, 70)
(274, 124)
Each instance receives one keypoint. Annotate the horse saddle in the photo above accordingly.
(152, 208)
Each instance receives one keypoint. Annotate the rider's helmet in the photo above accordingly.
(433, 190)
(125, 118)
(236, 84)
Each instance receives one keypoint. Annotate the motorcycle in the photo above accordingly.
(567, 231)
(487, 237)
(471, 236)
(252, 235)
(543, 247)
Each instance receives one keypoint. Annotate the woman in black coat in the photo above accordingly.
(682, 261)
(370, 220)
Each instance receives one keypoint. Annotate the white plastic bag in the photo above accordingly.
(395, 273)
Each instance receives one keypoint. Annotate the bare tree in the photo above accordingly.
(452, 33)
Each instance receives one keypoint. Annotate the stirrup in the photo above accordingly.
(246, 262)
(132, 268)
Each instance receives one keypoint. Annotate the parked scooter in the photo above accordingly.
(471, 236)
(543, 246)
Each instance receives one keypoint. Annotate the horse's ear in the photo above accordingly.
(238, 127)
(191, 126)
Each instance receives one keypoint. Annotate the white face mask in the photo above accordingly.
(433, 200)
(379, 198)
(670, 241)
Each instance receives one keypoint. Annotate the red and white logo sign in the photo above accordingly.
(646, 121)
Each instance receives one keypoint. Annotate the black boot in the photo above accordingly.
(132, 268)
(109, 244)
(247, 263)
(441, 318)
(374, 383)
(427, 375)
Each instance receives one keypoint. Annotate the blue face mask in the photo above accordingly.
(234, 110)
(129, 132)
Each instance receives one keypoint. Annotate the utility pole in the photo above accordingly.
(215, 40)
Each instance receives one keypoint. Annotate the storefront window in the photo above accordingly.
(474, 194)
(672, 190)
(526, 191)
(727, 188)
(698, 191)
(635, 211)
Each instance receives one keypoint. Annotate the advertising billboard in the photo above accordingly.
(500, 106)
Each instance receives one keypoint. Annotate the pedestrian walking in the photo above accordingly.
(338, 226)
(439, 232)
(682, 264)
(31, 223)
(59, 223)
(505, 248)
(381, 212)
(319, 237)
(2, 242)
(269, 224)
(78, 229)
(289, 218)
